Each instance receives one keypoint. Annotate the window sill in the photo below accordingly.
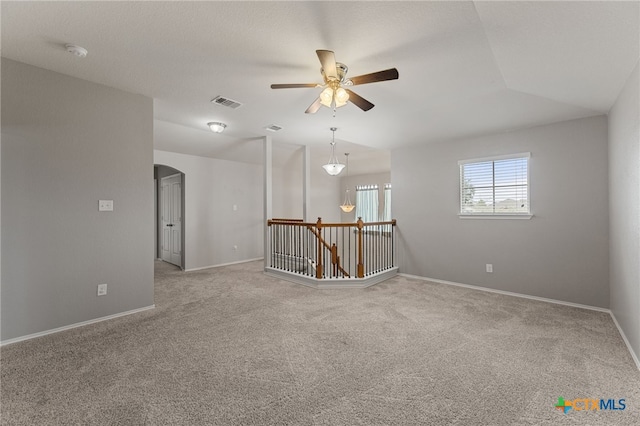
(495, 216)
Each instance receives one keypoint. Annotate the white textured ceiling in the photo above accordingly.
(466, 68)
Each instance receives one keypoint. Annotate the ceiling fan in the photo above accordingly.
(335, 79)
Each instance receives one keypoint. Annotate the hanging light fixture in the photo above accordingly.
(333, 167)
(347, 206)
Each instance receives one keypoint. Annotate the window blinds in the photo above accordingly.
(387, 203)
(367, 203)
(495, 186)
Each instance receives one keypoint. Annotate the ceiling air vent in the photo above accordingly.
(226, 102)
(273, 127)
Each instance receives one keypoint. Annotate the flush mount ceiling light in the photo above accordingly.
(333, 167)
(347, 206)
(216, 126)
(78, 51)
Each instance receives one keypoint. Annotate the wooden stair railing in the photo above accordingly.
(371, 255)
(333, 249)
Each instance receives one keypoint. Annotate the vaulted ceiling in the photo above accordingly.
(466, 68)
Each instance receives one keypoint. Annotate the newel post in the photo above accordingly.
(360, 225)
(319, 267)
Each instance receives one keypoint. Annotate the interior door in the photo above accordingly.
(171, 219)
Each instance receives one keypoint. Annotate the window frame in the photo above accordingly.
(493, 159)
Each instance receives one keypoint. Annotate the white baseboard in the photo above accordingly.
(626, 341)
(332, 283)
(509, 293)
(71, 326)
(540, 299)
(223, 264)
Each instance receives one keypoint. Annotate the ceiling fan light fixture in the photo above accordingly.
(216, 126)
(326, 97)
(341, 97)
(334, 75)
(333, 167)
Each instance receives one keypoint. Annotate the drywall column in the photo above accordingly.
(268, 193)
(306, 182)
(624, 211)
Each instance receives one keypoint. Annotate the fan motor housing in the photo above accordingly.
(341, 69)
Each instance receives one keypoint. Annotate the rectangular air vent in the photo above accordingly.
(273, 127)
(226, 102)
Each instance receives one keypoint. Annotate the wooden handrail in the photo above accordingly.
(286, 220)
(299, 222)
(332, 250)
(318, 235)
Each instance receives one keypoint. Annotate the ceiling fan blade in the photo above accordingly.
(390, 74)
(314, 107)
(359, 101)
(328, 61)
(293, 86)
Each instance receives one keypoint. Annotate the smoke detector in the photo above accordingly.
(80, 52)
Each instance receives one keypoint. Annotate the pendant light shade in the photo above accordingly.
(347, 206)
(333, 167)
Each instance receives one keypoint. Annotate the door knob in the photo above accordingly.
(169, 224)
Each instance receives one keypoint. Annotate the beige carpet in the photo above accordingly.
(231, 346)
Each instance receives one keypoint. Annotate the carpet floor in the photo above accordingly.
(231, 346)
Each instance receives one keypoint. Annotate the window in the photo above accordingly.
(495, 186)
(386, 216)
(367, 203)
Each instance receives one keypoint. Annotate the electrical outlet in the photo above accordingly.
(102, 289)
(489, 267)
(105, 205)
(235, 248)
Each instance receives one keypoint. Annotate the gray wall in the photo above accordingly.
(66, 143)
(561, 253)
(325, 192)
(212, 228)
(624, 213)
(352, 182)
(288, 189)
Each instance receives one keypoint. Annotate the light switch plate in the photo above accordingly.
(102, 289)
(105, 205)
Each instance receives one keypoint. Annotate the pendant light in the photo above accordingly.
(347, 206)
(333, 167)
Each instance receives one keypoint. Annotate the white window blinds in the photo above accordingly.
(387, 203)
(367, 203)
(495, 186)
